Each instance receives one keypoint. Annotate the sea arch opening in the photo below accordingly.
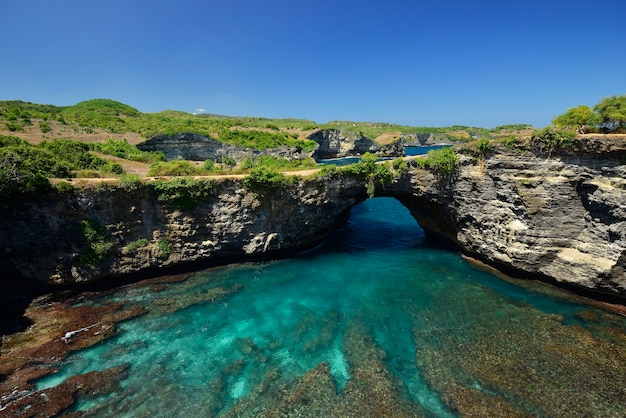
(383, 223)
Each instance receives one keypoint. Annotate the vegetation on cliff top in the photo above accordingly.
(103, 115)
(609, 115)
(109, 116)
(443, 162)
(550, 139)
(265, 179)
(26, 165)
(373, 172)
(182, 192)
(25, 168)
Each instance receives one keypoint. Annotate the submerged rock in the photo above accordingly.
(498, 365)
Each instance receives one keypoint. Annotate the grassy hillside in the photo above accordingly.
(97, 139)
(98, 119)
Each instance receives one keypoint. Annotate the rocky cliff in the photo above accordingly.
(561, 217)
(46, 241)
(332, 143)
(422, 139)
(194, 147)
(337, 143)
(558, 217)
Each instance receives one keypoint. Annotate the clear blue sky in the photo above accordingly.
(437, 63)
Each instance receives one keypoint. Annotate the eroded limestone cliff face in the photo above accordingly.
(559, 217)
(195, 147)
(44, 241)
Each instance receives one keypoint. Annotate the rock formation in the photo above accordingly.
(423, 139)
(541, 217)
(44, 242)
(195, 147)
(560, 217)
(337, 143)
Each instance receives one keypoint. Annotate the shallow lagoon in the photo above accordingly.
(377, 321)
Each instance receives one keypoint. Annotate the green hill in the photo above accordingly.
(35, 122)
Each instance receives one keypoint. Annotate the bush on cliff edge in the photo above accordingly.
(183, 193)
(443, 162)
(263, 179)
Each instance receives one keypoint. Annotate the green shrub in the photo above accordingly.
(329, 169)
(481, 148)
(208, 165)
(29, 159)
(364, 168)
(11, 141)
(99, 246)
(130, 182)
(13, 126)
(550, 139)
(122, 149)
(229, 161)
(281, 163)
(400, 165)
(509, 142)
(182, 193)
(165, 247)
(15, 185)
(112, 168)
(24, 171)
(173, 168)
(263, 179)
(44, 127)
(263, 139)
(484, 147)
(371, 171)
(63, 187)
(247, 163)
(443, 162)
(139, 243)
(75, 153)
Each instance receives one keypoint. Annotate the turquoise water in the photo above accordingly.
(376, 297)
(421, 150)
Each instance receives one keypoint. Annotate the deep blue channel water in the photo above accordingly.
(424, 312)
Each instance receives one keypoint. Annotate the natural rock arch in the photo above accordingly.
(565, 221)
